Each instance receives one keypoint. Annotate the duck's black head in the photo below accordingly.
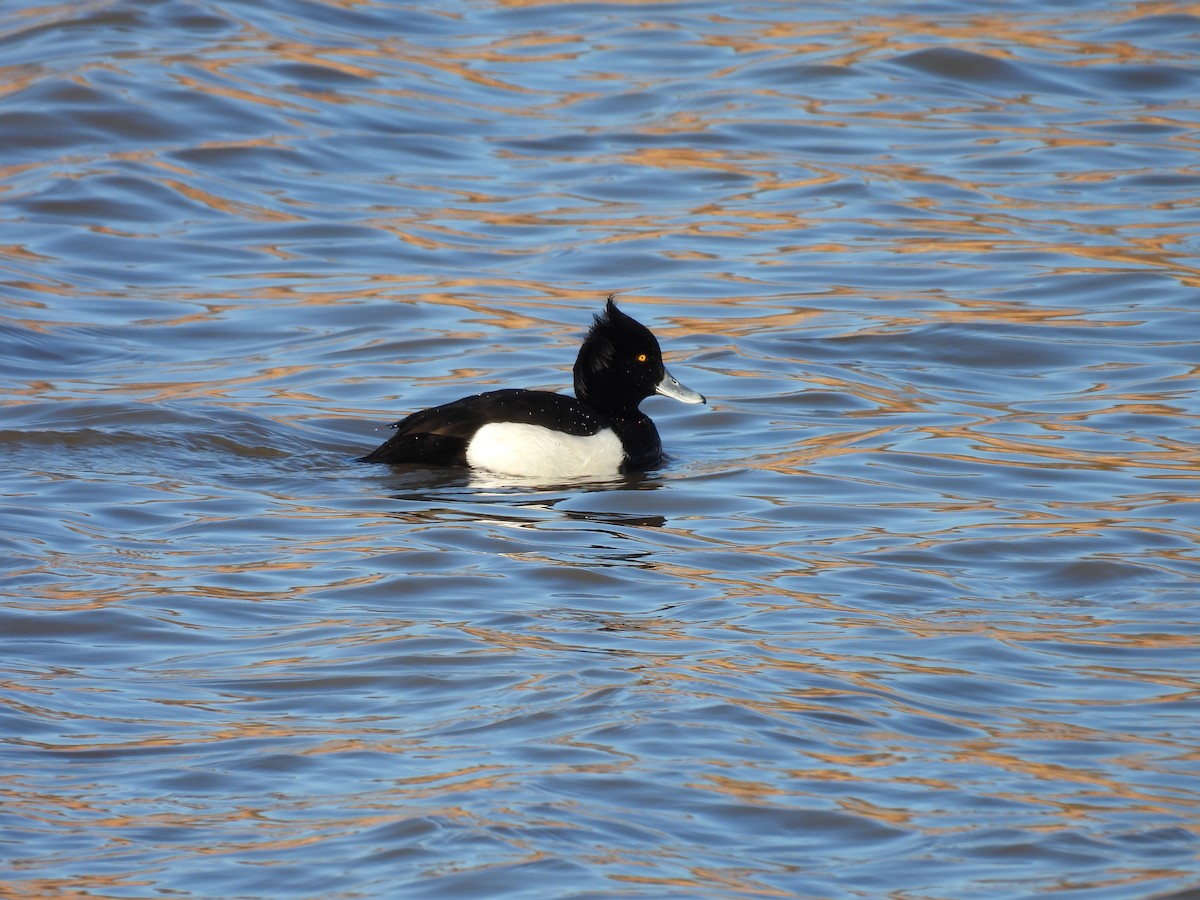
(620, 364)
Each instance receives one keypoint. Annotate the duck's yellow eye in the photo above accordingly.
(641, 357)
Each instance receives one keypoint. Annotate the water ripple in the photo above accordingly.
(908, 610)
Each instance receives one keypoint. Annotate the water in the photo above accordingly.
(909, 612)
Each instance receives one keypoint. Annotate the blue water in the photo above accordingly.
(908, 612)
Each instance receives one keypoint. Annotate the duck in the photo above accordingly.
(532, 433)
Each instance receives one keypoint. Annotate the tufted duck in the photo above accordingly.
(599, 431)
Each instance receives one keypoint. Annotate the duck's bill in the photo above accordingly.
(669, 387)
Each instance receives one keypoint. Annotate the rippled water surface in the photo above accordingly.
(910, 611)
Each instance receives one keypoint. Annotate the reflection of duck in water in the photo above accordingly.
(599, 431)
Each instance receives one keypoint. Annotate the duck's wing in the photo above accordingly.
(439, 435)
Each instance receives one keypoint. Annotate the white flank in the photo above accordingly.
(516, 448)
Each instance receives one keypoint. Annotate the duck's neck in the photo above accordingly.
(639, 438)
(606, 402)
